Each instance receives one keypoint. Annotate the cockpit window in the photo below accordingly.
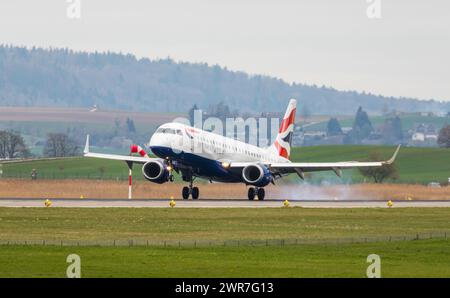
(169, 131)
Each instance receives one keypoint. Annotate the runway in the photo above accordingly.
(216, 203)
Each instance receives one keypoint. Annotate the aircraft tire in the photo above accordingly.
(251, 193)
(261, 193)
(185, 193)
(195, 193)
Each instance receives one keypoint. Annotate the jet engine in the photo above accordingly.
(256, 175)
(156, 171)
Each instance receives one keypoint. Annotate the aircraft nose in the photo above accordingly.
(156, 141)
(152, 141)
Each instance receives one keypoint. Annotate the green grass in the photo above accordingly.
(423, 258)
(414, 258)
(33, 131)
(416, 165)
(40, 129)
(216, 224)
(74, 167)
(408, 121)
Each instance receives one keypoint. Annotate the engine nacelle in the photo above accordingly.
(156, 171)
(256, 175)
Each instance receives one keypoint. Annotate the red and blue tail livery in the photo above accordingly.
(283, 142)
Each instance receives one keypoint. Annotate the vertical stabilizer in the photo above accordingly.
(282, 144)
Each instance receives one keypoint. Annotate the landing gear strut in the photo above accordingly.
(256, 191)
(190, 190)
(170, 167)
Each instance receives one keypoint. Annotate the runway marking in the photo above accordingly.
(214, 203)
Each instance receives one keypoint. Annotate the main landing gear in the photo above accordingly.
(190, 190)
(256, 192)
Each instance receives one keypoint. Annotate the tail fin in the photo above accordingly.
(282, 144)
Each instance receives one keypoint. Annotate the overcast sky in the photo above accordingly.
(404, 53)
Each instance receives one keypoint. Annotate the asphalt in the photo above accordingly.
(216, 203)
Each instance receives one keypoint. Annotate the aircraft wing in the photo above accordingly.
(304, 167)
(136, 159)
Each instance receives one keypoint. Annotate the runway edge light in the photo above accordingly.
(172, 202)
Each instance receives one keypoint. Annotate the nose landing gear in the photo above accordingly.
(256, 192)
(170, 168)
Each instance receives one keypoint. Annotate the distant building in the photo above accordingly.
(318, 138)
(424, 134)
(297, 137)
(418, 137)
(427, 114)
(346, 129)
(426, 128)
(315, 134)
(94, 109)
(375, 138)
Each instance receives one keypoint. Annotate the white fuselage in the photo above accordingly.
(182, 138)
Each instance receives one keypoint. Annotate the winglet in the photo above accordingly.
(86, 147)
(394, 156)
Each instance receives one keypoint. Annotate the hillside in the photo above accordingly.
(416, 165)
(409, 121)
(64, 78)
(34, 123)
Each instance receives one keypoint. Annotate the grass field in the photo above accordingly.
(408, 121)
(418, 258)
(416, 165)
(155, 224)
(79, 116)
(34, 123)
(422, 258)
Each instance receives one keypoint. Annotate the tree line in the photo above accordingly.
(12, 145)
(391, 130)
(62, 77)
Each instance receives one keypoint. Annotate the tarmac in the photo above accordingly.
(216, 203)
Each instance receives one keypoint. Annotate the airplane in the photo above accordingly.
(196, 153)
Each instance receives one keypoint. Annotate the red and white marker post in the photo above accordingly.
(130, 179)
(133, 149)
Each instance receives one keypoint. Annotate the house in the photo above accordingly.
(318, 138)
(375, 138)
(427, 114)
(418, 137)
(424, 134)
(346, 129)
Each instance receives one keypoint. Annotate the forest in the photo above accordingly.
(66, 78)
